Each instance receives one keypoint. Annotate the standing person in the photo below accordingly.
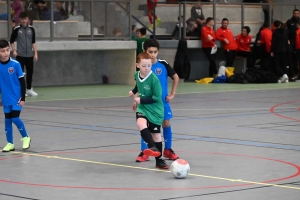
(224, 34)
(208, 43)
(198, 16)
(12, 89)
(243, 42)
(298, 44)
(149, 108)
(266, 41)
(151, 4)
(163, 70)
(133, 32)
(292, 27)
(278, 51)
(26, 51)
(140, 41)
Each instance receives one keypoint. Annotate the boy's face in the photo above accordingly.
(138, 34)
(244, 32)
(145, 66)
(4, 54)
(152, 51)
(24, 21)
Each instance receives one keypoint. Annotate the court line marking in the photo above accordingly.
(158, 170)
(179, 109)
(179, 93)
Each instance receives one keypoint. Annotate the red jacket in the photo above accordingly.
(266, 38)
(204, 37)
(243, 42)
(222, 34)
(298, 39)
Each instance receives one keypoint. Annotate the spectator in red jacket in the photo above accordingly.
(225, 35)
(208, 43)
(243, 42)
(266, 41)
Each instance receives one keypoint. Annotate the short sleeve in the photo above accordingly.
(19, 70)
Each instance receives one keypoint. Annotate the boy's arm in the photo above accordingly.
(156, 96)
(23, 88)
(172, 74)
(34, 46)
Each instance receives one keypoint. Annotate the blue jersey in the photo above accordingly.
(162, 69)
(10, 86)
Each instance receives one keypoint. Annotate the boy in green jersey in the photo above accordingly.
(149, 109)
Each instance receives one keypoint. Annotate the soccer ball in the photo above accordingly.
(180, 168)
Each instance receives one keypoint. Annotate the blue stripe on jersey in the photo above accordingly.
(161, 72)
(10, 86)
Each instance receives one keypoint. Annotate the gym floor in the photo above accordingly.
(241, 141)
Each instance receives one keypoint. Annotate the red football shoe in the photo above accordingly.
(142, 158)
(170, 154)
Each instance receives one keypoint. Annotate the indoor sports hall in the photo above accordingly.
(241, 141)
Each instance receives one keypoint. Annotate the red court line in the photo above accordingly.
(272, 110)
(196, 188)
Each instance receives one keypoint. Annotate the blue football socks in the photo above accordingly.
(167, 132)
(143, 145)
(20, 125)
(9, 130)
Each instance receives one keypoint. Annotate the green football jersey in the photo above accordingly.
(139, 44)
(150, 87)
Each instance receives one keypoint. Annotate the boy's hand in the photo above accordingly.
(137, 100)
(134, 106)
(15, 53)
(21, 103)
(170, 97)
(130, 93)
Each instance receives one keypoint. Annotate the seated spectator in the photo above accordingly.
(44, 11)
(178, 27)
(117, 32)
(16, 6)
(243, 41)
(197, 16)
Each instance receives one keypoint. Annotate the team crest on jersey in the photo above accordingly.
(29, 32)
(11, 70)
(147, 87)
(158, 71)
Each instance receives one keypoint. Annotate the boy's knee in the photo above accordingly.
(166, 123)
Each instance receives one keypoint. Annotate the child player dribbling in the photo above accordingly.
(162, 70)
(149, 108)
(12, 89)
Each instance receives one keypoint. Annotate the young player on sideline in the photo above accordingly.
(12, 88)
(162, 69)
(149, 108)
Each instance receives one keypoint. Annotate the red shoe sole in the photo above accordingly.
(149, 152)
(166, 167)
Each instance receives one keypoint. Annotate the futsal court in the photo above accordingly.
(241, 141)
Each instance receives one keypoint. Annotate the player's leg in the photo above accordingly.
(15, 117)
(156, 134)
(29, 70)
(8, 130)
(167, 133)
(142, 123)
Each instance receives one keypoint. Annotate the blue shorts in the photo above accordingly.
(8, 109)
(168, 112)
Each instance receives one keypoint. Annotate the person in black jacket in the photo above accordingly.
(292, 27)
(278, 51)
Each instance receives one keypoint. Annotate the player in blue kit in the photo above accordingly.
(12, 89)
(162, 70)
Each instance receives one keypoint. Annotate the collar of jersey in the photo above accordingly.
(4, 63)
(145, 77)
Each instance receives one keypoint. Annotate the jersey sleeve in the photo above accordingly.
(19, 70)
(219, 35)
(14, 35)
(33, 35)
(169, 69)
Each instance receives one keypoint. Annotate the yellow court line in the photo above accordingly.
(158, 170)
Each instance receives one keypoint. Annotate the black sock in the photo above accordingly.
(147, 136)
(159, 147)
